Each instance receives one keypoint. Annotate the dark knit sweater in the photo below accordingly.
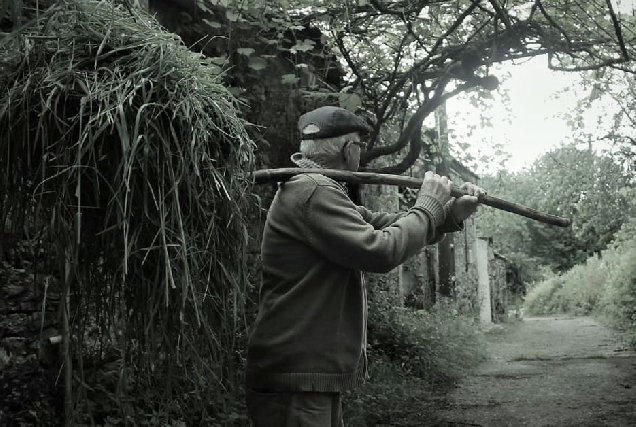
(310, 333)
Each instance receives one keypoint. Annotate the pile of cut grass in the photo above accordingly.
(128, 151)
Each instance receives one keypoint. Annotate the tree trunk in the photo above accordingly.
(445, 252)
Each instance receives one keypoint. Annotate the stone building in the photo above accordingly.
(419, 277)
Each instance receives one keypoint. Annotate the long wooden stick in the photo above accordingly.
(283, 174)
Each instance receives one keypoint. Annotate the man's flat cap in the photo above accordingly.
(328, 122)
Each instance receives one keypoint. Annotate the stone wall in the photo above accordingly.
(465, 267)
(30, 356)
(500, 288)
(29, 299)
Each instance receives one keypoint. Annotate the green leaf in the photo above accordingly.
(349, 101)
(211, 24)
(245, 51)
(303, 46)
(257, 63)
(236, 91)
(231, 16)
(288, 79)
(218, 60)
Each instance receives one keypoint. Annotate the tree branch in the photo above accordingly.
(554, 24)
(415, 122)
(617, 29)
(500, 13)
(615, 136)
(415, 148)
(603, 64)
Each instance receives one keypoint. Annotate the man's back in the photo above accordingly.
(308, 334)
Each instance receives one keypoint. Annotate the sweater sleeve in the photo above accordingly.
(378, 220)
(337, 230)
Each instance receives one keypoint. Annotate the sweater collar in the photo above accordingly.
(301, 161)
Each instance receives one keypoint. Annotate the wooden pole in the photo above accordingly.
(283, 174)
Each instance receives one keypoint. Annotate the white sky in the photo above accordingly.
(533, 124)
(531, 127)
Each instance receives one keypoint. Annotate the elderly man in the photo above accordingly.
(308, 344)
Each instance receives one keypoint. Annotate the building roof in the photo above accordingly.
(463, 171)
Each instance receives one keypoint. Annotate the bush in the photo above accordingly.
(435, 346)
(618, 304)
(544, 297)
(576, 292)
(412, 354)
(387, 396)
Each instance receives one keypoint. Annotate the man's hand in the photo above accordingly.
(436, 186)
(464, 206)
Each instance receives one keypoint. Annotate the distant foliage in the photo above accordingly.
(619, 301)
(577, 292)
(591, 189)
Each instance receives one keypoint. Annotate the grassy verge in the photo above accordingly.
(605, 287)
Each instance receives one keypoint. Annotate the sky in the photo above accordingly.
(532, 123)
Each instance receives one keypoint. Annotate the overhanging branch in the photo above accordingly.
(617, 29)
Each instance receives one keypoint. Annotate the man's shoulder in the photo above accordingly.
(314, 180)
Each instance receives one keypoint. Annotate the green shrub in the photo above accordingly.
(412, 354)
(584, 286)
(386, 396)
(618, 304)
(576, 292)
(544, 297)
(434, 346)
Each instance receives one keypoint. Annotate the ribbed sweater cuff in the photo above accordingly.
(433, 208)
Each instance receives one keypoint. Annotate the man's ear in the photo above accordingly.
(346, 151)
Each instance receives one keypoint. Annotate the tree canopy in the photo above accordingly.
(403, 58)
(591, 189)
(426, 52)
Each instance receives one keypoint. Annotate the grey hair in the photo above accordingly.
(326, 149)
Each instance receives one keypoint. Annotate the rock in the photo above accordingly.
(14, 325)
(14, 290)
(16, 345)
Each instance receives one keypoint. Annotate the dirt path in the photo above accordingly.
(559, 372)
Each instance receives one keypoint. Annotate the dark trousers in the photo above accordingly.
(294, 409)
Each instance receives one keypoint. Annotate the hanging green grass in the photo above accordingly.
(130, 152)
